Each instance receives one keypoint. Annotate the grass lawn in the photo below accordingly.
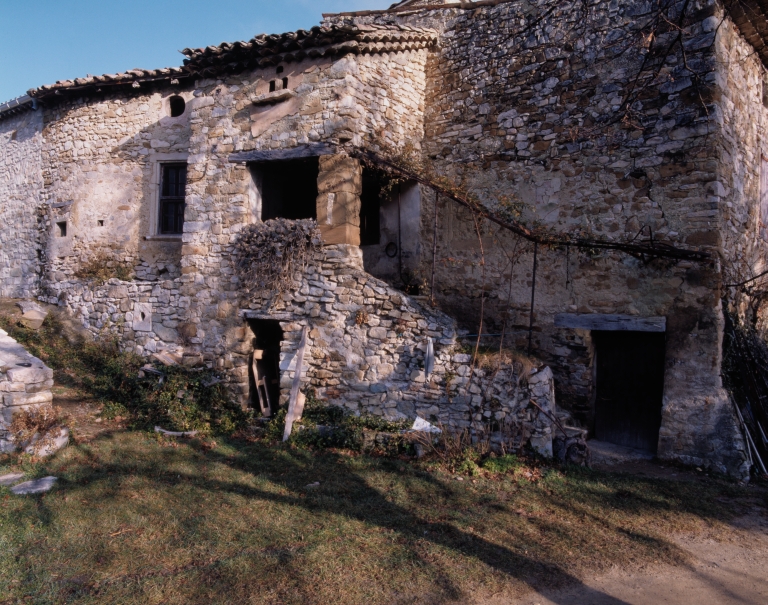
(141, 519)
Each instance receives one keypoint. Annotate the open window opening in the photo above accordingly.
(172, 194)
(61, 229)
(289, 189)
(390, 222)
(176, 106)
(265, 365)
(629, 387)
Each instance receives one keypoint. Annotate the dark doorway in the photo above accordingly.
(370, 208)
(265, 365)
(629, 387)
(289, 189)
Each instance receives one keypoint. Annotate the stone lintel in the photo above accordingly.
(611, 323)
(294, 153)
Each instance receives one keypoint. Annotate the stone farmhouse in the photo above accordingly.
(614, 150)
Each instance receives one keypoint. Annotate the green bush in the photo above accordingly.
(502, 464)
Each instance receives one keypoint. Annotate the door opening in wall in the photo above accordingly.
(629, 387)
(370, 208)
(264, 369)
(289, 188)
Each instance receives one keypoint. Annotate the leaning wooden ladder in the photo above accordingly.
(262, 392)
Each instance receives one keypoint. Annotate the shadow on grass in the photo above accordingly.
(97, 474)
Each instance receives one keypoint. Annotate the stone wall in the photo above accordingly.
(366, 351)
(101, 166)
(521, 113)
(25, 383)
(21, 193)
(742, 117)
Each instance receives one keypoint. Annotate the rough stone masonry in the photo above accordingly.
(595, 120)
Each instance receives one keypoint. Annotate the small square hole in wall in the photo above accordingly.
(61, 229)
(280, 69)
(100, 222)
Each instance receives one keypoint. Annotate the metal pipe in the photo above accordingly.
(533, 296)
(400, 235)
(434, 253)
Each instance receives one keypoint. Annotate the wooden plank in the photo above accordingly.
(610, 323)
(294, 413)
(294, 153)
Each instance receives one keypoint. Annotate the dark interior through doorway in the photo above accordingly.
(289, 189)
(264, 369)
(370, 207)
(629, 387)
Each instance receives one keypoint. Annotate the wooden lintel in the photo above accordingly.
(294, 153)
(612, 323)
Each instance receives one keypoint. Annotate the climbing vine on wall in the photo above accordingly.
(269, 255)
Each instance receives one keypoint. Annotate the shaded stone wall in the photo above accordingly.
(742, 117)
(21, 193)
(522, 112)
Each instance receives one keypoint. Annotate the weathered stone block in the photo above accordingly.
(16, 399)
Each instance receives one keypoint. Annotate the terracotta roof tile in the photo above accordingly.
(261, 51)
(265, 50)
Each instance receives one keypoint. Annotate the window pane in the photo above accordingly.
(172, 192)
(172, 217)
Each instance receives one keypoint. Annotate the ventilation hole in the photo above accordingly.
(177, 106)
(62, 228)
(143, 316)
(285, 83)
(272, 86)
(100, 223)
(280, 69)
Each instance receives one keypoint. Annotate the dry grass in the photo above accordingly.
(40, 421)
(103, 266)
(141, 519)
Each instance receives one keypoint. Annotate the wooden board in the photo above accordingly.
(629, 388)
(295, 403)
(610, 323)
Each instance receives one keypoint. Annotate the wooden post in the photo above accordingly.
(434, 253)
(296, 403)
(533, 297)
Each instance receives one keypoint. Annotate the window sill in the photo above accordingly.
(163, 238)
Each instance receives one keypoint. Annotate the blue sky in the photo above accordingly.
(42, 41)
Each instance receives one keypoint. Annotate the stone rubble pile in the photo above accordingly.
(25, 383)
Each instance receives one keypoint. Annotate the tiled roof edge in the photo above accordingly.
(17, 105)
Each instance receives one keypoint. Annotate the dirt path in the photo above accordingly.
(722, 573)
